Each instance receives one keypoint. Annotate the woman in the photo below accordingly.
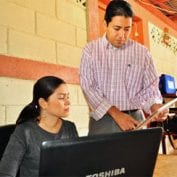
(39, 121)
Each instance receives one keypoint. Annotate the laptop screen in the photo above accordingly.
(128, 154)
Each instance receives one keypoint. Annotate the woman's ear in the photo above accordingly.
(42, 103)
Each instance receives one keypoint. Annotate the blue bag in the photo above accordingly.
(167, 84)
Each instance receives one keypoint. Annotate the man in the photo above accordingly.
(117, 76)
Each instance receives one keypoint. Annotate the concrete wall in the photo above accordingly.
(54, 32)
(165, 57)
(50, 31)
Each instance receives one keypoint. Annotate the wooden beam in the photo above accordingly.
(92, 14)
(33, 70)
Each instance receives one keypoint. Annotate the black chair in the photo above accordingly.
(167, 133)
(5, 132)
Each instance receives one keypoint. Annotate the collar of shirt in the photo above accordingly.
(108, 45)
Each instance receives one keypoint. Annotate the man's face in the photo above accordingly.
(118, 30)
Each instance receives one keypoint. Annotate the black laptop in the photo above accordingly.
(125, 154)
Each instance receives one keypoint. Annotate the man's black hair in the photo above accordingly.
(118, 8)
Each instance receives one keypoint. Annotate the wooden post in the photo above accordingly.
(92, 14)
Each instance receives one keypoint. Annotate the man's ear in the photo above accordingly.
(105, 24)
(42, 103)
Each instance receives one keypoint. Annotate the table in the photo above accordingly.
(166, 166)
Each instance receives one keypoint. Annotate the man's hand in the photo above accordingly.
(161, 116)
(124, 121)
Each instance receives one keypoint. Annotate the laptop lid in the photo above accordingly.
(125, 154)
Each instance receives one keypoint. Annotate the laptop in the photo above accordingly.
(125, 154)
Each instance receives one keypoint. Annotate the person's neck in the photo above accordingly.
(50, 125)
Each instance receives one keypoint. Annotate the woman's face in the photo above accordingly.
(58, 103)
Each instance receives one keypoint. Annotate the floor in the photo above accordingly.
(166, 164)
(174, 152)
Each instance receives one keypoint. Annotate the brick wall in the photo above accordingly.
(49, 31)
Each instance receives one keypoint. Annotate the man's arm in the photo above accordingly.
(150, 93)
(95, 98)
(162, 116)
(125, 121)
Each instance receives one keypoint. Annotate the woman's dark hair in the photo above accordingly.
(118, 8)
(43, 88)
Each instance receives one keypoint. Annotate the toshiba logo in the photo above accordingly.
(114, 172)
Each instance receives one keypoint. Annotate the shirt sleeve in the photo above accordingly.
(97, 102)
(13, 154)
(150, 93)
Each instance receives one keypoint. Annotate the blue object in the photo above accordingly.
(167, 84)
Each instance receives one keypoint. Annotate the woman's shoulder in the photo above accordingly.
(69, 128)
(23, 127)
(68, 123)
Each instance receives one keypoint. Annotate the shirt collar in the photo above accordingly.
(108, 45)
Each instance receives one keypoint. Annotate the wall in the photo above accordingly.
(165, 53)
(40, 35)
(164, 56)
(165, 59)
(46, 37)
